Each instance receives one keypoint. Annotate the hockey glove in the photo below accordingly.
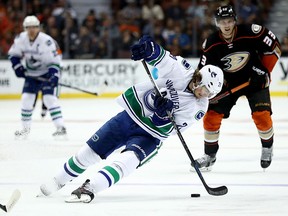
(53, 77)
(259, 81)
(20, 72)
(145, 49)
(17, 66)
(162, 106)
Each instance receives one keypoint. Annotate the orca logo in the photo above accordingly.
(95, 137)
(213, 74)
(199, 115)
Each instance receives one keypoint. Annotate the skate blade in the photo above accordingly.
(40, 194)
(204, 169)
(60, 137)
(21, 137)
(74, 199)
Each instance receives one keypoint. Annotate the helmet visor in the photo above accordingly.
(203, 91)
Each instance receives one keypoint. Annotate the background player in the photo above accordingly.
(243, 52)
(144, 123)
(42, 60)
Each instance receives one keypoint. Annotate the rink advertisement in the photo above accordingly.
(120, 74)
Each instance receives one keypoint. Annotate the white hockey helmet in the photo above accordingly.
(212, 79)
(31, 21)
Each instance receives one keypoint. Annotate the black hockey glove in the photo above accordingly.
(53, 77)
(17, 66)
(162, 106)
(144, 49)
(20, 72)
(259, 81)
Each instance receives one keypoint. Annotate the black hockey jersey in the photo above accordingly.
(253, 49)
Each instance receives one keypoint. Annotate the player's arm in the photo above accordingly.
(162, 105)
(206, 56)
(15, 56)
(17, 66)
(53, 58)
(270, 47)
(146, 49)
(155, 55)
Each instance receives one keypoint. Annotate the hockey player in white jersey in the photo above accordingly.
(39, 53)
(144, 123)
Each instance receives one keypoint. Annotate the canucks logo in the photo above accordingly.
(32, 63)
(199, 115)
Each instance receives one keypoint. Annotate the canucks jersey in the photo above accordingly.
(39, 55)
(174, 75)
(254, 48)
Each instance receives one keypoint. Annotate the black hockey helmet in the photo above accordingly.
(223, 12)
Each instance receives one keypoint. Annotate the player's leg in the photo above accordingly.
(211, 122)
(74, 167)
(123, 165)
(52, 103)
(109, 137)
(260, 104)
(29, 92)
(139, 149)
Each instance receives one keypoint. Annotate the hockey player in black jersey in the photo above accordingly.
(245, 53)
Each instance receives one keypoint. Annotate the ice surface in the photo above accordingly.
(161, 187)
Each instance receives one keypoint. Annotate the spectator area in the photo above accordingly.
(84, 32)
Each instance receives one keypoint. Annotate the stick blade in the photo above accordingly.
(219, 191)
(13, 200)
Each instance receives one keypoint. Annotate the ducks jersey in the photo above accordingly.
(253, 49)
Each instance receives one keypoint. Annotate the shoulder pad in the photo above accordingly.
(244, 30)
(211, 40)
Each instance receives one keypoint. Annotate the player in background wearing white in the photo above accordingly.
(144, 123)
(43, 106)
(42, 61)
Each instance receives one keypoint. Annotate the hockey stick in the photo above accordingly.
(218, 191)
(284, 71)
(231, 91)
(12, 201)
(72, 87)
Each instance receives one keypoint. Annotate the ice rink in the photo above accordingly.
(160, 188)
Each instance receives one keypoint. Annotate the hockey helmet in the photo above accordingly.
(212, 79)
(31, 21)
(223, 12)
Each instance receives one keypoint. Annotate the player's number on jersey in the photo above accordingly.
(267, 40)
(203, 60)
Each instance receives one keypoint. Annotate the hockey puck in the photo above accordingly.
(195, 195)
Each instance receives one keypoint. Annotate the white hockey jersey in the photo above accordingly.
(39, 55)
(175, 73)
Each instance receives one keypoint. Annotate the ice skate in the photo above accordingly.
(22, 134)
(49, 187)
(266, 157)
(82, 194)
(60, 133)
(205, 163)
